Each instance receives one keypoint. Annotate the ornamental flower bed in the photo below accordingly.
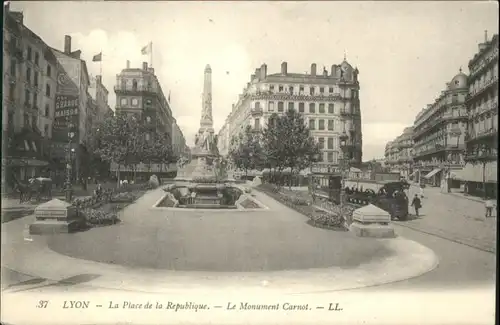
(95, 217)
(126, 197)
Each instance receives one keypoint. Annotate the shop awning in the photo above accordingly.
(432, 173)
(474, 173)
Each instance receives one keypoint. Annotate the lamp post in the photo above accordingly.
(343, 161)
(69, 165)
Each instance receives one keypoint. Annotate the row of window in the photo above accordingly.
(301, 107)
(312, 124)
(13, 68)
(28, 121)
(312, 90)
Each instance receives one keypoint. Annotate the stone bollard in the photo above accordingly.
(371, 221)
(55, 216)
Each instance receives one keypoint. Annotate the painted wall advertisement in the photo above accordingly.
(66, 117)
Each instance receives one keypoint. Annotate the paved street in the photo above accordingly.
(454, 218)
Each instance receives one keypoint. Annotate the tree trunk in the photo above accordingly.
(118, 176)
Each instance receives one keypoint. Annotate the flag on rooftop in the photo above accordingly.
(147, 49)
(97, 57)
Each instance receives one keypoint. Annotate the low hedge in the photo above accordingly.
(335, 219)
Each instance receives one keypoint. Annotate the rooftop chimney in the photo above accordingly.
(263, 71)
(334, 71)
(18, 16)
(252, 77)
(67, 44)
(484, 45)
(313, 69)
(284, 68)
(248, 85)
(257, 73)
(128, 64)
(144, 66)
(325, 72)
(98, 80)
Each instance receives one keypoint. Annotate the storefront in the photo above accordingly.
(433, 178)
(27, 156)
(480, 178)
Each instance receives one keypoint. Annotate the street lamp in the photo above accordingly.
(343, 159)
(69, 163)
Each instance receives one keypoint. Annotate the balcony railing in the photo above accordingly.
(487, 84)
(135, 89)
(483, 109)
(485, 155)
(256, 111)
(482, 134)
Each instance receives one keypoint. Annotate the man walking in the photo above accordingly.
(490, 204)
(416, 203)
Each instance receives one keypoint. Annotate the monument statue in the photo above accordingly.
(205, 148)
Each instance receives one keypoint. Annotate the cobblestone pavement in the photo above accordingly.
(454, 218)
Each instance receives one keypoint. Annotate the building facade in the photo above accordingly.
(179, 145)
(480, 171)
(100, 95)
(73, 113)
(30, 72)
(438, 134)
(399, 153)
(138, 91)
(329, 102)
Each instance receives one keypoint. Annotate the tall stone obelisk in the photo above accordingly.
(206, 121)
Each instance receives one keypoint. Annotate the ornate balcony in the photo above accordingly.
(257, 111)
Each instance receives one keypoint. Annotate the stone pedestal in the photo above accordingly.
(371, 221)
(55, 216)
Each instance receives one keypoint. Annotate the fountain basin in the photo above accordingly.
(201, 196)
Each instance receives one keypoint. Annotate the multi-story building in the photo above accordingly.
(30, 71)
(439, 133)
(99, 94)
(73, 112)
(399, 153)
(480, 171)
(329, 102)
(179, 145)
(138, 91)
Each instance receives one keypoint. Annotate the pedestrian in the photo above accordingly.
(416, 203)
(421, 192)
(490, 204)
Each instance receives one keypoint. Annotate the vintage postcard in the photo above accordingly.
(242, 162)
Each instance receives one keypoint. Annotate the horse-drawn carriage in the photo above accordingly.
(387, 195)
(38, 188)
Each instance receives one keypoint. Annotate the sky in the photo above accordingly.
(406, 52)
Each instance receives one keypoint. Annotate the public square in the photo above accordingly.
(294, 162)
(271, 241)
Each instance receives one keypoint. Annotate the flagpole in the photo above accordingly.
(100, 65)
(151, 54)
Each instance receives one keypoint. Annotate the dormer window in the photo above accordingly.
(134, 85)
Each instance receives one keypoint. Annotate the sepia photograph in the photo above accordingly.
(249, 162)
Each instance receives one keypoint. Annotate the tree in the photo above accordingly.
(246, 151)
(119, 139)
(162, 150)
(288, 143)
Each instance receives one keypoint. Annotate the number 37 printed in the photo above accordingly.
(42, 304)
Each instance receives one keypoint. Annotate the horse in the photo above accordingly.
(38, 186)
